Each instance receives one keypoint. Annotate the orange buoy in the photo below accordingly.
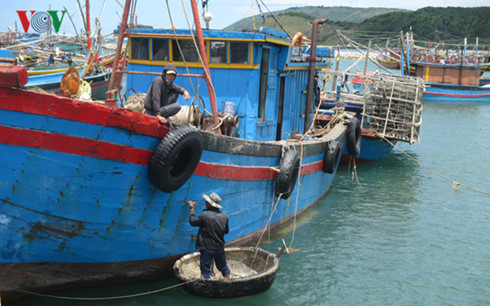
(298, 39)
(70, 82)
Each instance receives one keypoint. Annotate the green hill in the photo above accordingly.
(310, 13)
(450, 24)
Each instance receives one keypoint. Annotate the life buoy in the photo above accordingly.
(286, 178)
(297, 39)
(354, 137)
(331, 157)
(175, 158)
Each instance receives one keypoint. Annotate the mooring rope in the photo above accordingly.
(104, 298)
(354, 170)
(454, 183)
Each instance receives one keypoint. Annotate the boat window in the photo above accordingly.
(160, 50)
(188, 49)
(139, 48)
(239, 52)
(218, 52)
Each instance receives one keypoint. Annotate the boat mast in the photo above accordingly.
(122, 34)
(207, 77)
(87, 9)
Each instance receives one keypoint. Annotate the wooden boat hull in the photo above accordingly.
(253, 271)
(388, 63)
(77, 207)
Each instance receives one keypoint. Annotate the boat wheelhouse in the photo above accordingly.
(260, 73)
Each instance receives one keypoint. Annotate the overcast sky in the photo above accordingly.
(225, 12)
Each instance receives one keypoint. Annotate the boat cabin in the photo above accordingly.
(258, 76)
(449, 73)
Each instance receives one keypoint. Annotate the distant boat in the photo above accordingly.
(51, 82)
(452, 82)
(448, 75)
(388, 62)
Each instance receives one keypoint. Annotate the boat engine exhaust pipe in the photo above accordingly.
(311, 76)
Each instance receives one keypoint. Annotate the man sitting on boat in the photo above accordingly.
(161, 100)
(213, 225)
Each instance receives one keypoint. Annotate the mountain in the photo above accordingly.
(333, 13)
(450, 24)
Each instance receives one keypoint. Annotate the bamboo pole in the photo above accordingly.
(122, 33)
(89, 40)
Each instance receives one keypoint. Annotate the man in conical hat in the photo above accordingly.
(213, 225)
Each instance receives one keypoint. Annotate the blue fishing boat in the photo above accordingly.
(51, 82)
(95, 194)
(389, 109)
(449, 75)
(456, 82)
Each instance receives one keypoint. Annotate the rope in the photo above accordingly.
(104, 298)
(454, 183)
(275, 19)
(180, 49)
(298, 182)
(197, 48)
(354, 170)
(274, 206)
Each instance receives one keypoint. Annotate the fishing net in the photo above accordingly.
(393, 106)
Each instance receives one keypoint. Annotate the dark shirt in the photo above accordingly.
(158, 94)
(213, 225)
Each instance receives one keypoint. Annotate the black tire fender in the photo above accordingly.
(175, 158)
(286, 178)
(332, 156)
(354, 137)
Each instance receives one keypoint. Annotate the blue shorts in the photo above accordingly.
(207, 257)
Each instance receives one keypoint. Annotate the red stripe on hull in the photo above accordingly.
(239, 173)
(87, 112)
(74, 145)
(105, 150)
(457, 96)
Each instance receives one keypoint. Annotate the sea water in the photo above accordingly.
(390, 232)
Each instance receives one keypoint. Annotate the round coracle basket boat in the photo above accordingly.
(253, 270)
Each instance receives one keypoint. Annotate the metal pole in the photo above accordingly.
(311, 76)
(212, 96)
